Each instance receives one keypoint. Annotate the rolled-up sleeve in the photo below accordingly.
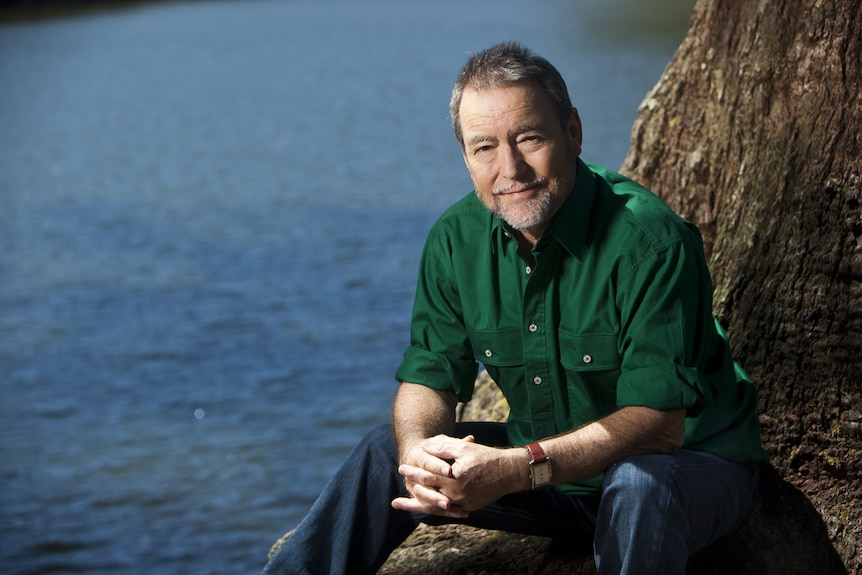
(663, 304)
(439, 355)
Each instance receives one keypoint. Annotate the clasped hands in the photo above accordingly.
(451, 477)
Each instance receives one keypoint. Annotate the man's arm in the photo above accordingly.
(591, 449)
(423, 417)
(481, 474)
(420, 412)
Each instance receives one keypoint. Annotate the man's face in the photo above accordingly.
(521, 159)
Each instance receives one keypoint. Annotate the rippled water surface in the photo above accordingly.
(210, 216)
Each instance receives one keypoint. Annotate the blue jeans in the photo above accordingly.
(654, 511)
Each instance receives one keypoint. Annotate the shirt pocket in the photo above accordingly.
(501, 351)
(592, 365)
(498, 347)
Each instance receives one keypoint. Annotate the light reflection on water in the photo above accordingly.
(210, 216)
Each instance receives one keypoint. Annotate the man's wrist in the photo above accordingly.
(516, 468)
(541, 472)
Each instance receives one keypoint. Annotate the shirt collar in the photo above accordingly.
(571, 224)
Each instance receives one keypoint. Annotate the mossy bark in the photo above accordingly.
(754, 134)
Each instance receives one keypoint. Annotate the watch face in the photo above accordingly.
(541, 474)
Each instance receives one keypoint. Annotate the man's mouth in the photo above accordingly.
(515, 189)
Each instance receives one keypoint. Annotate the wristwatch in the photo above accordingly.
(540, 466)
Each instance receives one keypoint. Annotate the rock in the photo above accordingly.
(462, 550)
(488, 403)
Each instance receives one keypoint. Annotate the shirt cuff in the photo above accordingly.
(664, 388)
(438, 372)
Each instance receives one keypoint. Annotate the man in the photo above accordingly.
(589, 303)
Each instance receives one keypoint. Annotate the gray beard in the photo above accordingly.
(535, 211)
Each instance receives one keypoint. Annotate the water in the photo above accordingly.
(210, 217)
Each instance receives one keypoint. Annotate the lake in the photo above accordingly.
(210, 220)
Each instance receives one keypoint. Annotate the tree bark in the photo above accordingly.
(754, 134)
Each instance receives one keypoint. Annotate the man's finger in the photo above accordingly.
(418, 475)
(446, 448)
(430, 462)
(437, 506)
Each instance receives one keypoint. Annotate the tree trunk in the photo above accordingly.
(755, 133)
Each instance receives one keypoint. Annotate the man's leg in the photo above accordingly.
(658, 509)
(351, 528)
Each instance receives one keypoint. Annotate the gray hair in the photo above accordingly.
(503, 65)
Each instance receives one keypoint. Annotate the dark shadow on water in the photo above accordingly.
(632, 22)
(14, 11)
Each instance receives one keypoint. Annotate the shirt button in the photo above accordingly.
(588, 358)
(529, 270)
(488, 353)
(537, 380)
(533, 327)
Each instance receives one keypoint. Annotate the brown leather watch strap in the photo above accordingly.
(537, 454)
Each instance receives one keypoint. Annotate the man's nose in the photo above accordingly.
(513, 163)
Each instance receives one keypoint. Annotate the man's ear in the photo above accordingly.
(575, 132)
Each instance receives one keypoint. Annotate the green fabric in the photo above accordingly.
(617, 312)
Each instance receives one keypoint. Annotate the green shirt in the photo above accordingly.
(617, 312)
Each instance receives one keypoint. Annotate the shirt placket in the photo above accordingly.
(534, 324)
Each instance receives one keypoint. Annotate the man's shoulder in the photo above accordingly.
(627, 205)
(467, 206)
(466, 216)
(635, 197)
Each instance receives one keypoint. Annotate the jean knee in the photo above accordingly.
(381, 434)
(379, 441)
(641, 476)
